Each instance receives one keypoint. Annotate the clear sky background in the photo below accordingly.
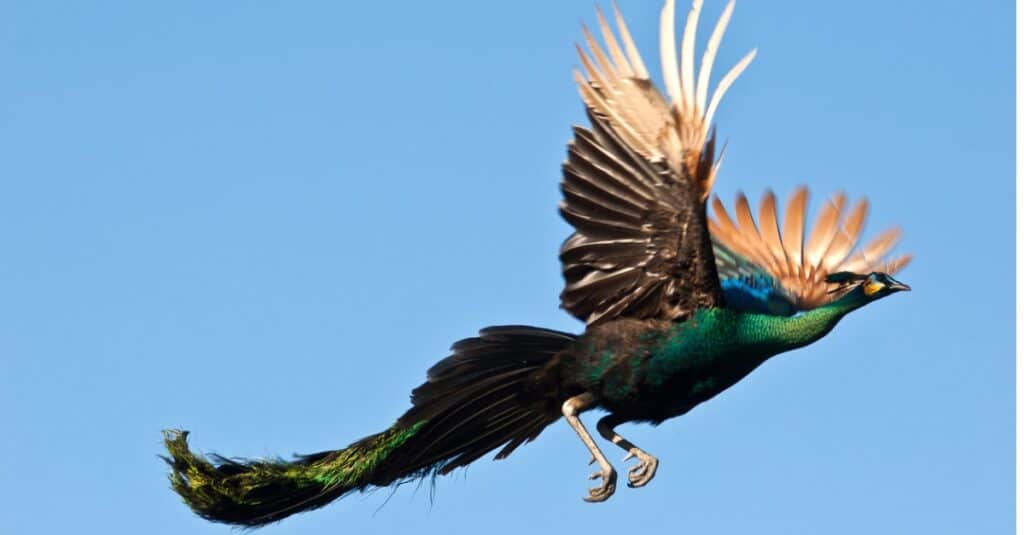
(263, 221)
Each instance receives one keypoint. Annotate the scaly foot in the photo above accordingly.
(571, 409)
(643, 472)
(607, 487)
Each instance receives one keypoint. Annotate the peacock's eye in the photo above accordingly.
(872, 286)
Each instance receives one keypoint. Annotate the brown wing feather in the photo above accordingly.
(793, 231)
(636, 182)
(798, 264)
(772, 241)
(654, 263)
(824, 231)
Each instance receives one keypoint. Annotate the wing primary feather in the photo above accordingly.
(846, 238)
(597, 104)
(588, 66)
(602, 60)
(884, 243)
(669, 68)
(870, 255)
(707, 61)
(621, 63)
(749, 230)
(741, 243)
(688, 52)
(793, 231)
(723, 218)
(635, 59)
(769, 224)
(824, 231)
(724, 83)
(897, 264)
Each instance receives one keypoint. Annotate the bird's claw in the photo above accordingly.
(607, 487)
(643, 472)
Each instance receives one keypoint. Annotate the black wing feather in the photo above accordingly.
(641, 247)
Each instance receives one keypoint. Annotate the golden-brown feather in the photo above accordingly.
(824, 230)
(798, 264)
(846, 238)
(793, 231)
(770, 234)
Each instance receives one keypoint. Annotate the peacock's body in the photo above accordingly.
(678, 307)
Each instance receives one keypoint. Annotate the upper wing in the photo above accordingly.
(798, 262)
(635, 184)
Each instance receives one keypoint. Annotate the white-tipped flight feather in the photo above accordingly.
(616, 85)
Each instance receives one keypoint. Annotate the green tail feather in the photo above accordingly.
(258, 492)
(491, 392)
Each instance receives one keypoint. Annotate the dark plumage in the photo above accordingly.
(641, 247)
(678, 307)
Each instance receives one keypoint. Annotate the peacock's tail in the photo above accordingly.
(492, 391)
(257, 492)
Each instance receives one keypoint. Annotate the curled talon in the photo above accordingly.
(606, 489)
(643, 472)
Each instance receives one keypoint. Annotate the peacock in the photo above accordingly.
(679, 303)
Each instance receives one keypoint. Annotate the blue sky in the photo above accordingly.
(264, 221)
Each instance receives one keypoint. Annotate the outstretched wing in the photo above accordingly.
(783, 262)
(636, 183)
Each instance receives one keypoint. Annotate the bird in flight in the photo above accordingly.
(679, 303)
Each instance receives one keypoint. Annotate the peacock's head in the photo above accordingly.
(873, 286)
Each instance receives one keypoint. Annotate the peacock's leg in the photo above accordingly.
(571, 409)
(643, 472)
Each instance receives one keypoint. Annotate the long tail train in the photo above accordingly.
(490, 392)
